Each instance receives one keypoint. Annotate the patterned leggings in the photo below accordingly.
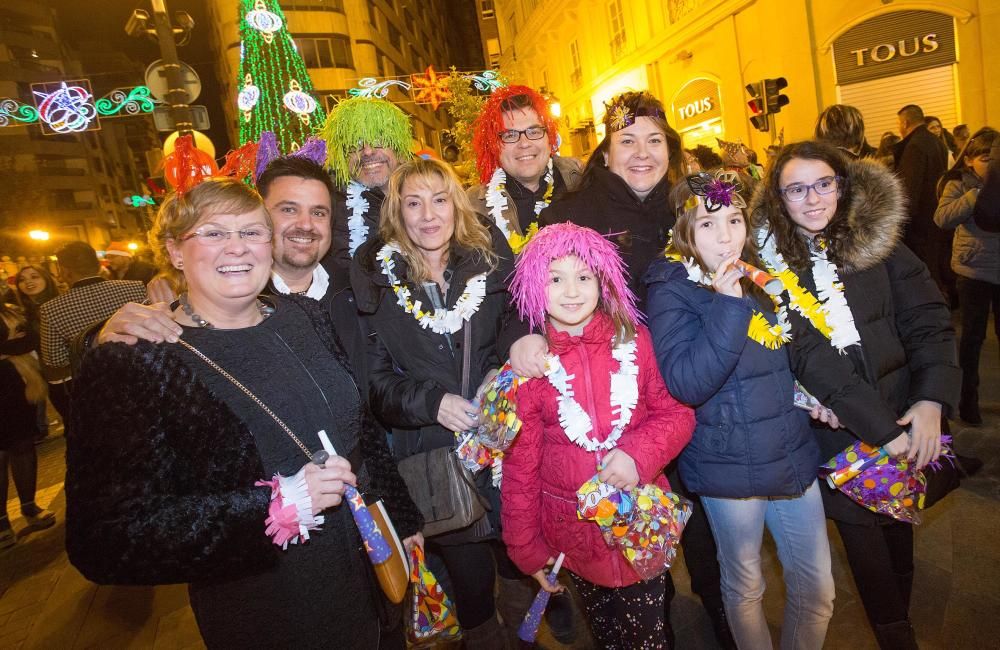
(626, 618)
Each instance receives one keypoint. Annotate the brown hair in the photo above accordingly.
(682, 238)
(771, 211)
(646, 105)
(842, 126)
(179, 214)
(469, 233)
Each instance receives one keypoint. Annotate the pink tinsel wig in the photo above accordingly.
(488, 126)
(531, 274)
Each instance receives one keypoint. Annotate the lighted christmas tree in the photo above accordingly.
(276, 93)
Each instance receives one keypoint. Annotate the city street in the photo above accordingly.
(46, 603)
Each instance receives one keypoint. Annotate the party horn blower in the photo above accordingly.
(375, 544)
(533, 619)
(770, 284)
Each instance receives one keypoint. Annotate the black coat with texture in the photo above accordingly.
(160, 473)
(920, 162)
(607, 204)
(412, 368)
(907, 350)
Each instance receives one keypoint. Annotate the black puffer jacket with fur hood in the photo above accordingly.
(907, 350)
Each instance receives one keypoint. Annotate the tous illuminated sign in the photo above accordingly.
(894, 43)
(697, 101)
(904, 47)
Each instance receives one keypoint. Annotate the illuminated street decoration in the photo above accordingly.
(276, 93)
(11, 109)
(131, 101)
(69, 106)
(68, 109)
(298, 102)
(248, 97)
(136, 201)
(426, 87)
(371, 87)
(266, 22)
(429, 88)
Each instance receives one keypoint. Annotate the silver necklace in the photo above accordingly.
(265, 311)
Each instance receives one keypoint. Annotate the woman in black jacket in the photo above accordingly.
(882, 353)
(432, 282)
(179, 471)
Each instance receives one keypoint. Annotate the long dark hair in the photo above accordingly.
(31, 304)
(771, 211)
(645, 104)
(981, 142)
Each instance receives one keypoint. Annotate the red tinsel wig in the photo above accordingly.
(489, 125)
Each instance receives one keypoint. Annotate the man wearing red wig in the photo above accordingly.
(514, 139)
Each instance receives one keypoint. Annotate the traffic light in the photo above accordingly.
(773, 98)
(758, 107)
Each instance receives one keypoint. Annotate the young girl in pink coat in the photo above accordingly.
(601, 408)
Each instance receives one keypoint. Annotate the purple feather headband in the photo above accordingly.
(531, 274)
(313, 149)
(719, 190)
(618, 115)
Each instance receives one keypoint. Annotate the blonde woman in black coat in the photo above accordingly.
(888, 368)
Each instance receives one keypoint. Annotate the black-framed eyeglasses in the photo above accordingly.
(799, 191)
(218, 236)
(511, 136)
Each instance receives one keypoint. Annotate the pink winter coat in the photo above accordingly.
(543, 469)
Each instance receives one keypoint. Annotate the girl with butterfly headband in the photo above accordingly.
(752, 460)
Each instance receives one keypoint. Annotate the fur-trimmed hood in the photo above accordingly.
(876, 216)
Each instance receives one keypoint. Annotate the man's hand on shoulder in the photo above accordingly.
(134, 321)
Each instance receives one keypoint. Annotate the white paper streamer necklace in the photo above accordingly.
(358, 205)
(575, 421)
(440, 321)
(497, 204)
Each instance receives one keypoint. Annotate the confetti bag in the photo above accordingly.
(888, 486)
(431, 619)
(645, 524)
(498, 421)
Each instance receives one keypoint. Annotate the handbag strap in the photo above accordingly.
(466, 357)
(256, 400)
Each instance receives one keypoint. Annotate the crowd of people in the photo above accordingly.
(361, 298)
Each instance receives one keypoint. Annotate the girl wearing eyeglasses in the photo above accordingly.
(879, 352)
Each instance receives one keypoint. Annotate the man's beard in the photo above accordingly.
(292, 257)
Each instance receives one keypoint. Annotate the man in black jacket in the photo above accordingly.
(920, 162)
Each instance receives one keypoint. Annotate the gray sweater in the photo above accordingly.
(975, 252)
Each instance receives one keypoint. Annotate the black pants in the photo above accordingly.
(975, 298)
(625, 617)
(472, 573)
(59, 395)
(700, 552)
(881, 559)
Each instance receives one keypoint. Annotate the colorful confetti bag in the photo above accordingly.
(528, 630)
(888, 486)
(645, 524)
(498, 424)
(431, 618)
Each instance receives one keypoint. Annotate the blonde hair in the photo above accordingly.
(179, 214)
(470, 232)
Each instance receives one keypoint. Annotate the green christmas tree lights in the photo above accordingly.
(276, 93)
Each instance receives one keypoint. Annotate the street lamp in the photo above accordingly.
(38, 235)
(132, 246)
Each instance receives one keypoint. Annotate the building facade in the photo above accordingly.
(344, 41)
(698, 55)
(71, 185)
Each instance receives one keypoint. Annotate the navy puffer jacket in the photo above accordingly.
(749, 439)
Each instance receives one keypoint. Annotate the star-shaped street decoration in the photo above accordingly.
(429, 88)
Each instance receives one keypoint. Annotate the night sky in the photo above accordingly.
(83, 22)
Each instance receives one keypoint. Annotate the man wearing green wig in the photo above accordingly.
(367, 138)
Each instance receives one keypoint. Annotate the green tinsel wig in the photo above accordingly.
(369, 120)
